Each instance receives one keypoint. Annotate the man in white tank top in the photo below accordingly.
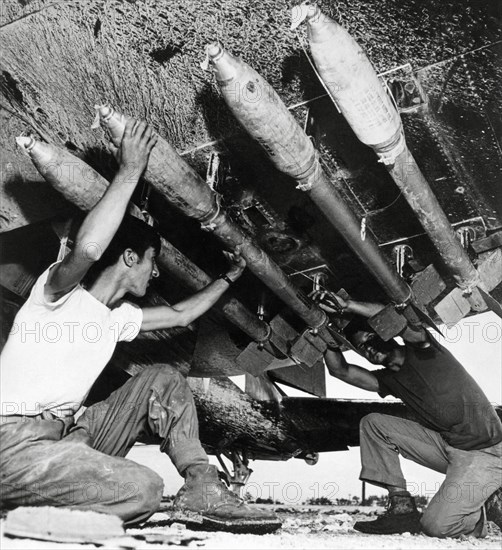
(61, 340)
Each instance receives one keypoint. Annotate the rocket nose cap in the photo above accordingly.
(214, 50)
(308, 11)
(26, 142)
(104, 111)
(313, 12)
(225, 65)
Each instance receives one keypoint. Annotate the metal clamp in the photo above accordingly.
(266, 339)
(402, 253)
(468, 287)
(209, 225)
(304, 186)
(466, 235)
(389, 157)
(405, 303)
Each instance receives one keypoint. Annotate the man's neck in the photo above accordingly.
(397, 357)
(108, 288)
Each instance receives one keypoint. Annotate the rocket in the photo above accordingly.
(354, 86)
(262, 113)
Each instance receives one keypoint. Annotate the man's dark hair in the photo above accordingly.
(357, 324)
(132, 233)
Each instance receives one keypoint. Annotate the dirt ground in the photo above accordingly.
(303, 527)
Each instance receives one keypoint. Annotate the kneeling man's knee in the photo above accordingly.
(167, 376)
(370, 421)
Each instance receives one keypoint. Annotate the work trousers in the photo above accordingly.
(56, 463)
(471, 476)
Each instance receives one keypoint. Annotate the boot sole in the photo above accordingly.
(376, 531)
(203, 522)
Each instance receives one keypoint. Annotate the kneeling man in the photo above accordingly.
(457, 432)
(63, 337)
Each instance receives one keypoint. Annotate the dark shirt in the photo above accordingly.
(443, 396)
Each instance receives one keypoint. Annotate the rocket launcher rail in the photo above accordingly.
(354, 86)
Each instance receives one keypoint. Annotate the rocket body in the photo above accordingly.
(166, 170)
(263, 114)
(353, 83)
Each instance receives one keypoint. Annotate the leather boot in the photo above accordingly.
(204, 502)
(401, 516)
(494, 508)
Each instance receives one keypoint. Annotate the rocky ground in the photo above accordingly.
(303, 527)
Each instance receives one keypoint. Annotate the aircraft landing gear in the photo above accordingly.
(241, 470)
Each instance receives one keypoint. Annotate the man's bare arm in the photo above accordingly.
(185, 312)
(416, 335)
(332, 303)
(102, 222)
(352, 374)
